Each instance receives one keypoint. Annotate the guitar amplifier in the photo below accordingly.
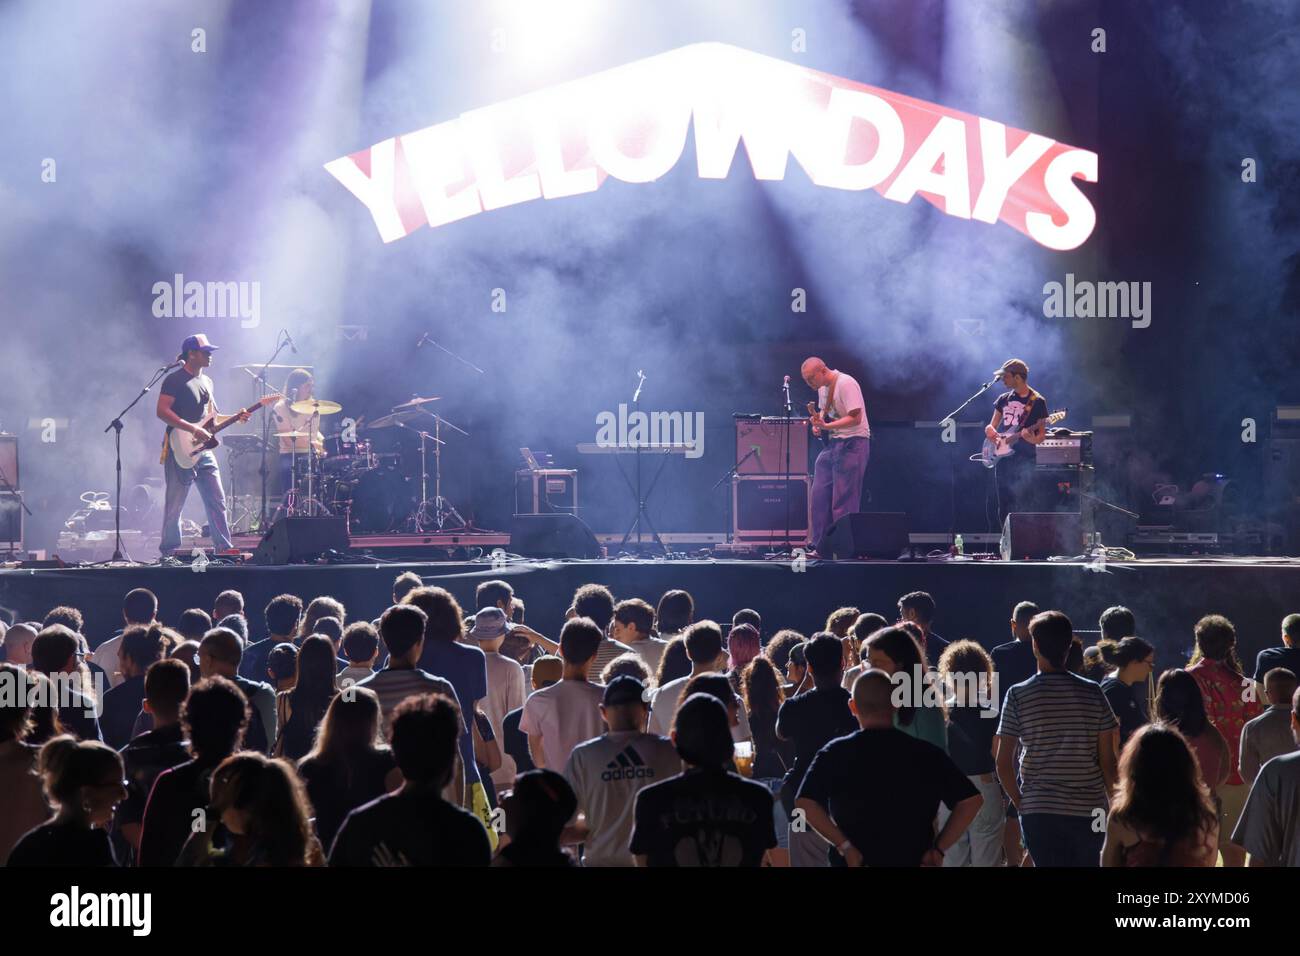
(759, 510)
(767, 438)
(1064, 451)
(546, 491)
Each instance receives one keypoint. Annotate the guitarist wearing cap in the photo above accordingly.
(840, 415)
(1022, 413)
(185, 403)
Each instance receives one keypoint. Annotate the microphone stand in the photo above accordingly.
(789, 412)
(952, 461)
(266, 433)
(116, 426)
(730, 474)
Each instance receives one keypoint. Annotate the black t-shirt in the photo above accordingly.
(1124, 703)
(1014, 663)
(63, 844)
(335, 792)
(413, 829)
(1016, 413)
(169, 813)
(704, 818)
(515, 742)
(145, 758)
(1271, 657)
(883, 789)
(970, 738)
(190, 393)
(773, 757)
(121, 707)
(811, 720)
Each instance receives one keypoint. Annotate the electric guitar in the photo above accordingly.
(186, 448)
(825, 436)
(995, 449)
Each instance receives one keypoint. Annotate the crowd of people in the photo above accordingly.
(638, 736)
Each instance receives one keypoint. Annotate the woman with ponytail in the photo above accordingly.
(1131, 659)
(83, 783)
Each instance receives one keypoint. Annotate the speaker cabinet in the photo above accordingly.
(1039, 535)
(11, 521)
(759, 508)
(552, 536)
(298, 540)
(866, 534)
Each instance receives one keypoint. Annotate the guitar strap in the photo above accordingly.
(830, 393)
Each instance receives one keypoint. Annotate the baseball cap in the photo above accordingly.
(624, 689)
(489, 624)
(547, 669)
(197, 341)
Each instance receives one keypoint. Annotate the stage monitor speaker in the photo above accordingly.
(552, 536)
(1039, 535)
(296, 540)
(865, 534)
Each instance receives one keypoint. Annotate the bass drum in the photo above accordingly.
(377, 502)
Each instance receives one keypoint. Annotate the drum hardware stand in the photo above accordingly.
(262, 389)
(116, 426)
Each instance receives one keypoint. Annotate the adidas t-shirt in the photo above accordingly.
(1057, 718)
(606, 774)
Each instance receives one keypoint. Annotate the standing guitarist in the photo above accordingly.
(1020, 412)
(184, 400)
(842, 464)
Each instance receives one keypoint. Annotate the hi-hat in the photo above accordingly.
(292, 435)
(312, 406)
(259, 366)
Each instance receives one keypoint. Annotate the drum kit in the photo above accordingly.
(347, 477)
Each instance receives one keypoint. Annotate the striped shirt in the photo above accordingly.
(394, 686)
(1057, 718)
(608, 650)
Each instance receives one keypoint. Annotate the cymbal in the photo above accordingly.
(292, 435)
(415, 403)
(391, 421)
(315, 406)
(257, 365)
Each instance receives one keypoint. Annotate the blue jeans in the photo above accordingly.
(837, 482)
(204, 474)
(1054, 839)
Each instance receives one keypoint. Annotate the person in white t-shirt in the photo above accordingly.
(634, 620)
(704, 648)
(842, 465)
(558, 718)
(608, 772)
(140, 606)
(505, 681)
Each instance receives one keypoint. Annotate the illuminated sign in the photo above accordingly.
(631, 123)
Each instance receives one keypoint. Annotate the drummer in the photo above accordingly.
(298, 387)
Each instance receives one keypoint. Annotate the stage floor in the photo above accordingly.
(974, 597)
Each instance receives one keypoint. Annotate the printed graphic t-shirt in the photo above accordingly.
(1016, 413)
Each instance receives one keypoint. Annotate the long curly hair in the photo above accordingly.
(1160, 792)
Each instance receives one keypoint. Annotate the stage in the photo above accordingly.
(974, 597)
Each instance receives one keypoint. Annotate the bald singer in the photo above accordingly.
(842, 465)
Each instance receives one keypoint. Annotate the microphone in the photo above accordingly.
(289, 339)
(424, 337)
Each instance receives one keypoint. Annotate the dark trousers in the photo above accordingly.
(1054, 839)
(1015, 477)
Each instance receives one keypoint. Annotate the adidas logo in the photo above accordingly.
(628, 765)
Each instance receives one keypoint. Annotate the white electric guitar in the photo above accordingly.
(995, 450)
(186, 447)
